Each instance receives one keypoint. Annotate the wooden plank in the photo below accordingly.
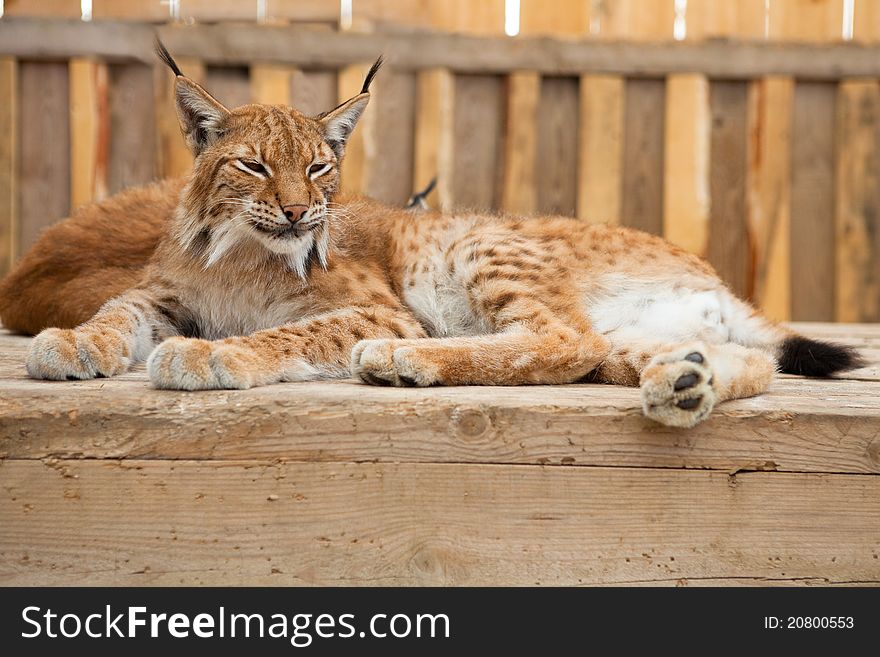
(644, 120)
(866, 22)
(600, 149)
(557, 175)
(560, 18)
(633, 20)
(519, 186)
(313, 92)
(800, 425)
(806, 20)
(389, 138)
(477, 142)
(858, 202)
(8, 163)
(130, 523)
(44, 155)
(270, 84)
(769, 194)
(812, 202)
(89, 131)
(173, 156)
(686, 163)
(132, 151)
(710, 19)
(229, 84)
(238, 45)
(728, 247)
(434, 135)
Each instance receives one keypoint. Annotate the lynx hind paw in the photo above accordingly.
(677, 387)
(390, 363)
(191, 364)
(65, 354)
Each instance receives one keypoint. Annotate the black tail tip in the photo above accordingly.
(808, 357)
(165, 56)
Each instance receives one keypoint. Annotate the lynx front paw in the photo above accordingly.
(190, 364)
(677, 387)
(82, 354)
(391, 362)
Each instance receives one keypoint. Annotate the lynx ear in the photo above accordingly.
(201, 116)
(340, 122)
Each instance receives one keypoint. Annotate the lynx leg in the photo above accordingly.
(682, 383)
(121, 333)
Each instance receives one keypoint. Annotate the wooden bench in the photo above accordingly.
(110, 482)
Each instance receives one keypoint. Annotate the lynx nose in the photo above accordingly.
(295, 212)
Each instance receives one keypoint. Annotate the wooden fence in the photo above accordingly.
(763, 157)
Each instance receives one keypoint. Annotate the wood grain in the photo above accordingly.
(686, 163)
(812, 202)
(132, 150)
(557, 175)
(8, 163)
(89, 131)
(728, 247)
(44, 181)
(519, 185)
(769, 194)
(858, 202)
(131, 523)
(644, 121)
(122, 417)
(477, 146)
(600, 149)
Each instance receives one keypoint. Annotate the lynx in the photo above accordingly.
(257, 270)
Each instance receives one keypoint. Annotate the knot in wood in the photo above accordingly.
(470, 424)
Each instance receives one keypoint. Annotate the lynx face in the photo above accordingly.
(263, 177)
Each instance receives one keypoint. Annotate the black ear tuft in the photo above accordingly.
(372, 73)
(166, 57)
(808, 357)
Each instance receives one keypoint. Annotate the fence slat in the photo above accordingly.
(728, 247)
(519, 190)
(132, 149)
(557, 176)
(44, 181)
(642, 205)
(173, 155)
(353, 173)
(812, 202)
(434, 135)
(229, 84)
(686, 162)
(89, 131)
(858, 202)
(313, 92)
(769, 193)
(477, 145)
(270, 84)
(388, 138)
(8, 163)
(600, 161)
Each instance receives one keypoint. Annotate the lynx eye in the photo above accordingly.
(254, 166)
(318, 169)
